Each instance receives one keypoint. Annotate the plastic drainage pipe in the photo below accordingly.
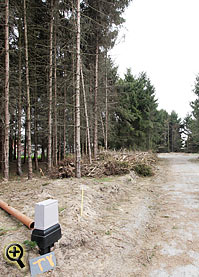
(21, 217)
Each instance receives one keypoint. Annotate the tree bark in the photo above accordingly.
(50, 93)
(60, 148)
(28, 97)
(11, 139)
(106, 107)
(74, 99)
(96, 104)
(36, 144)
(73, 82)
(64, 113)
(103, 131)
(25, 144)
(43, 156)
(55, 98)
(36, 122)
(19, 168)
(6, 103)
(77, 102)
(87, 120)
(15, 146)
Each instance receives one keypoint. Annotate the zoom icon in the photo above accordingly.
(14, 253)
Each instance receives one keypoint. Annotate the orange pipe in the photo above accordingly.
(21, 217)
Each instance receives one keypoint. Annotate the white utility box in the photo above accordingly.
(46, 214)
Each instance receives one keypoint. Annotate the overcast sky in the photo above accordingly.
(162, 39)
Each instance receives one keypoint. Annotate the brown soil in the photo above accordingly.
(131, 226)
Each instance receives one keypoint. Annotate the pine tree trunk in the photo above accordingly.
(86, 145)
(50, 94)
(64, 113)
(91, 111)
(36, 123)
(36, 143)
(106, 108)
(74, 99)
(6, 103)
(87, 120)
(11, 142)
(19, 168)
(96, 104)
(77, 102)
(73, 80)
(43, 157)
(60, 154)
(103, 131)
(15, 147)
(55, 99)
(28, 97)
(25, 144)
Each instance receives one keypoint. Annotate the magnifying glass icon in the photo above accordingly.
(14, 253)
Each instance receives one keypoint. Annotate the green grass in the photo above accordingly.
(61, 209)
(143, 170)
(30, 244)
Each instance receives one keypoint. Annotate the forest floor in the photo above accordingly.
(131, 226)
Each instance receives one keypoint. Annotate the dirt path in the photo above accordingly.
(177, 235)
(130, 226)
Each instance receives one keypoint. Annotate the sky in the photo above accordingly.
(162, 39)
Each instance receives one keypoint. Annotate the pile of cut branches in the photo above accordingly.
(109, 163)
(65, 169)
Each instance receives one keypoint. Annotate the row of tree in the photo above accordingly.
(140, 125)
(137, 123)
(191, 123)
(60, 91)
(45, 49)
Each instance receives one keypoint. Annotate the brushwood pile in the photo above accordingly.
(109, 163)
